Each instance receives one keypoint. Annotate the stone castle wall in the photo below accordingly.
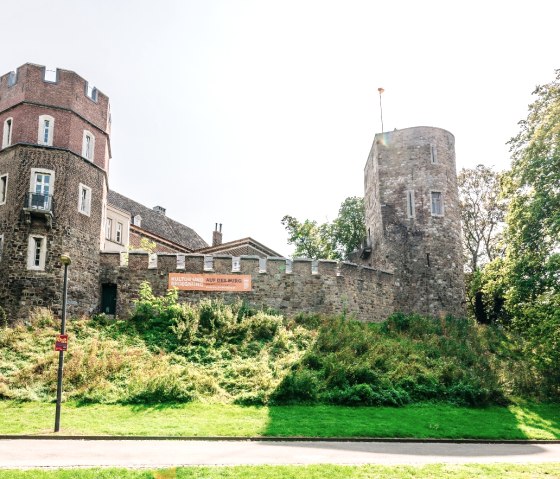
(68, 231)
(423, 249)
(323, 287)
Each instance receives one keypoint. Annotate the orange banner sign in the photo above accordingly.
(210, 282)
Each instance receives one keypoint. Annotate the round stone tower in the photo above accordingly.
(54, 160)
(413, 219)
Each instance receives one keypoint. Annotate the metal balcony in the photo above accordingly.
(38, 205)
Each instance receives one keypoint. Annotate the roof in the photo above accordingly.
(240, 247)
(157, 223)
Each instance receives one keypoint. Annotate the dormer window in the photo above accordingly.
(46, 130)
(88, 145)
(137, 220)
(7, 134)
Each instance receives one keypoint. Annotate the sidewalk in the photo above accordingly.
(31, 453)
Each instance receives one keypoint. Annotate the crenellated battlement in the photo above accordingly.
(34, 84)
(55, 108)
(226, 264)
(289, 286)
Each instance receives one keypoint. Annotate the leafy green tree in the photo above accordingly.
(482, 218)
(533, 187)
(482, 215)
(334, 240)
(525, 283)
(349, 228)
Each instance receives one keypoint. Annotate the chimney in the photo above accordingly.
(160, 210)
(217, 235)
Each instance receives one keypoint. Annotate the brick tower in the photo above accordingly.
(54, 160)
(413, 219)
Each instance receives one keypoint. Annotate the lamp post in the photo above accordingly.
(381, 90)
(65, 260)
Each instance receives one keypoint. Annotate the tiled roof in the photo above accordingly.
(241, 247)
(158, 224)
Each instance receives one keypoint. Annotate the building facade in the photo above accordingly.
(54, 161)
(54, 199)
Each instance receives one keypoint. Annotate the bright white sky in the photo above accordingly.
(240, 112)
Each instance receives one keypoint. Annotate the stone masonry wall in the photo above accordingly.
(362, 292)
(70, 232)
(424, 251)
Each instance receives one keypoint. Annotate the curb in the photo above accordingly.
(280, 439)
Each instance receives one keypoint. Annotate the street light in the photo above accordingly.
(65, 260)
(381, 90)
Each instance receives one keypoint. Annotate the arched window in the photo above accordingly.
(46, 130)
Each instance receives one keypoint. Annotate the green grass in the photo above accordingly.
(467, 471)
(520, 421)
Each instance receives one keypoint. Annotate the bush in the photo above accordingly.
(301, 386)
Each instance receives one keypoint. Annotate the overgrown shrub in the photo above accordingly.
(301, 386)
(174, 352)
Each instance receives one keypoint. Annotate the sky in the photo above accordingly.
(240, 112)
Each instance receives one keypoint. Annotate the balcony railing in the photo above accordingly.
(38, 205)
(39, 202)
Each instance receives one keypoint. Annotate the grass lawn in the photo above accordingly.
(468, 471)
(521, 421)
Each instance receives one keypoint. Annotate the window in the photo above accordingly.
(208, 263)
(46, 130)
(410, 206)
(88, 145)
(7, 135)
(262, 265)
(36, 252)
(84, 201)
(1, 245)
(137, 220)
(108, 228)
(437, 203)
(433, 154)
(41, 188)
(3, 188)
(119, 233)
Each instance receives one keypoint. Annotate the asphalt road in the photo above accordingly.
(31, 453)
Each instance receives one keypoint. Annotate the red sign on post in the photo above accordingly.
(61, 343)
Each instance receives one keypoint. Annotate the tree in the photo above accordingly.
(482, 215)
(334, 240)
(533, 186)
(310, 239)
(527, 278)
(349, 229)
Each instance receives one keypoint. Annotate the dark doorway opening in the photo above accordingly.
(109, 298)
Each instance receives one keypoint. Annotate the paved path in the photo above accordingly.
(25, 453)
